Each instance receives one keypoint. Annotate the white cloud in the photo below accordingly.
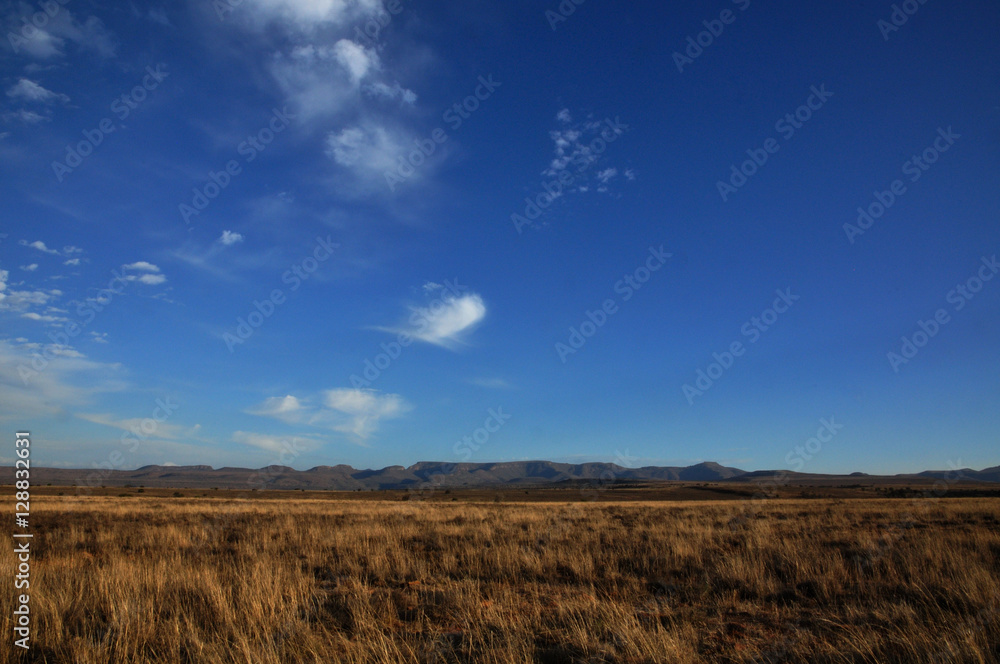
(329, 79)
(356, 59)
(70, 249)
(364, 408)
(22, 300)
(287, 409)
(30, 268)
(50, 40)
(282, 445)
(392, 92)
(43, 318)
(321, 80)
(38, 244)
(347, 410)
(25, 116)
(42, 45)
(29, 91)
(229, 238)
(162, 430)
(31, 385)
(445, 322)
(368, 152)
(72, 261)
(142, 266)
(310, 14)
(577, 147)
(152, 277)
(370, 148)
(607, 174)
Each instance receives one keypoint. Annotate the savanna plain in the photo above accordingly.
(212, 577)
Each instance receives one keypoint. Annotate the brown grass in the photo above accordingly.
(206, 581)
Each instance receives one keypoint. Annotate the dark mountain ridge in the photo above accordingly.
(426, 474)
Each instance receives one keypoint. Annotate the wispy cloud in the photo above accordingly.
(27, 90)
(347, 410)
(50, 40)
(446, 322)
(164, 430)
(229, 238)
(280, 445)
(31, 385)
(367, 152)
(491, 383)
(43, 318)
(39, 245)
(287, 409)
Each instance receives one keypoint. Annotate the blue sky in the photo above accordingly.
(279, 231)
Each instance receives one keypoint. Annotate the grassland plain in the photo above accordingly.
(212, 580)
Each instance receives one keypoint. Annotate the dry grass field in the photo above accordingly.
(212, 580)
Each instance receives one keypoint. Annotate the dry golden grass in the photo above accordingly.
(208, 581)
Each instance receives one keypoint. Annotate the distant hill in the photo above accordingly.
(436, 473)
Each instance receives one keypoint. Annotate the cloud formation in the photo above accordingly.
(39, 245)
(28, 91)
(229, 238)
(447, 321)
(48, 379)
(347, 410)
(152, 275)
(577, 147)
(50, 39)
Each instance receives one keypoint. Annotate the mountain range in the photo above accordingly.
(481, 475)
